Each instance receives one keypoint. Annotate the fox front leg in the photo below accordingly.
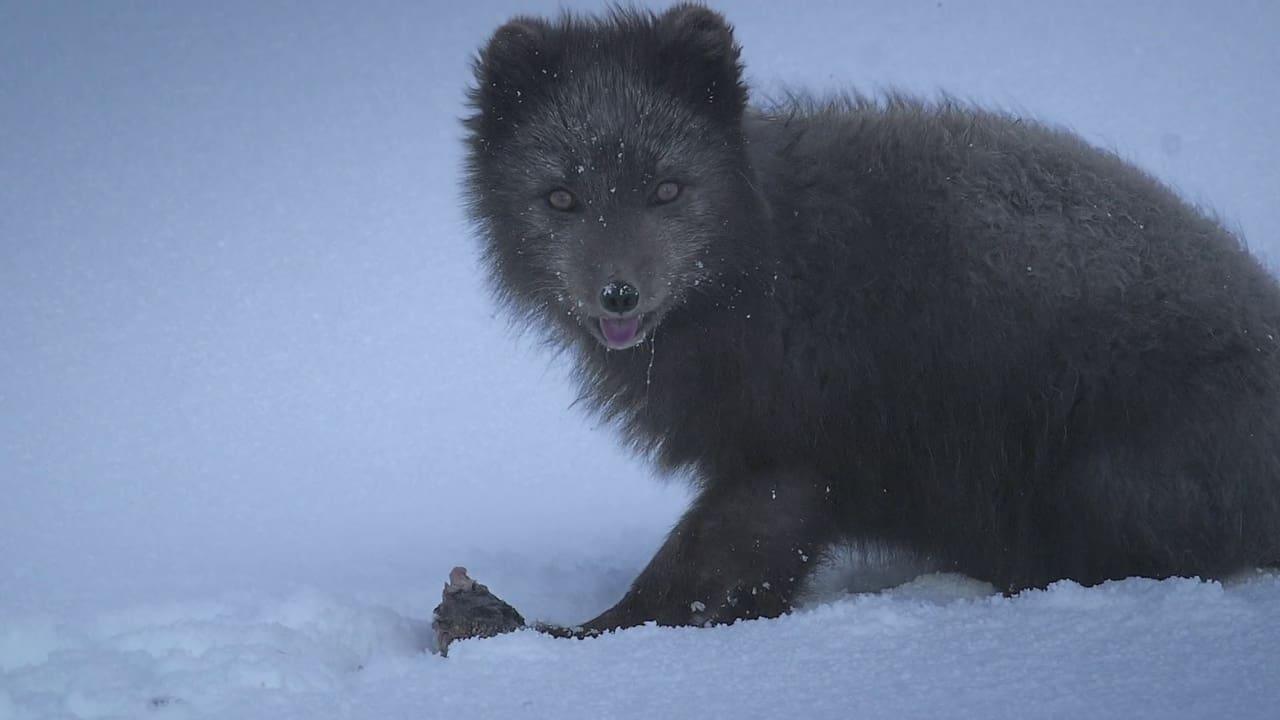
(739, 552)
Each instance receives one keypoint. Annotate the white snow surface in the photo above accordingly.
(255, 402)
(939, 646)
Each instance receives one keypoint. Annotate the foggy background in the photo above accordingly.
(244, 341)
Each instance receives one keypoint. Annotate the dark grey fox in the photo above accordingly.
(873, 319)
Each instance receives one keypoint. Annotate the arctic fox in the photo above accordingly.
(873, 319)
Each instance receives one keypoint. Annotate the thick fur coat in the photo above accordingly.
(889, 320)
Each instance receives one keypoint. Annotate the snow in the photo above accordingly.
(939, 646)
(255, 402)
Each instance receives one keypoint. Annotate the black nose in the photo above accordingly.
(619, 297)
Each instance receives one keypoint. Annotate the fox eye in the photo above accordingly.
(666, 192)
(561, 199)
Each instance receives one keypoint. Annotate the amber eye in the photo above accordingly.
(560, 199)
(666, 192)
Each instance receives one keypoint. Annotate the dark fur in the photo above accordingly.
(891, 320)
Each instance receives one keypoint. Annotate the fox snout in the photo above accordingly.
(619, 297)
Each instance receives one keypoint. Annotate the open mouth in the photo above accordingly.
(621, 333)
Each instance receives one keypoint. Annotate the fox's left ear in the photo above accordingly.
(700, 59)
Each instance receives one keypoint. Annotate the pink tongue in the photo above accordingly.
(619, 332)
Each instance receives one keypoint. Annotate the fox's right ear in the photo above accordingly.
(510, 69)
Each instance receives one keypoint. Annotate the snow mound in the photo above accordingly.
(196, 660)
(939, 646)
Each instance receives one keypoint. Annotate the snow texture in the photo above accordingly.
(940, 646)
(255, 403)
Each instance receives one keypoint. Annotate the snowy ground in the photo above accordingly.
(254, 402)
(941, 646)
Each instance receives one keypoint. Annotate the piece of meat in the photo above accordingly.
(467, 609)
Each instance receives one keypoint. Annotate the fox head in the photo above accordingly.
(607, 168)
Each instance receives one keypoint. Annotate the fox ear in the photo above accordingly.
(510, 69)
(701, 60)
